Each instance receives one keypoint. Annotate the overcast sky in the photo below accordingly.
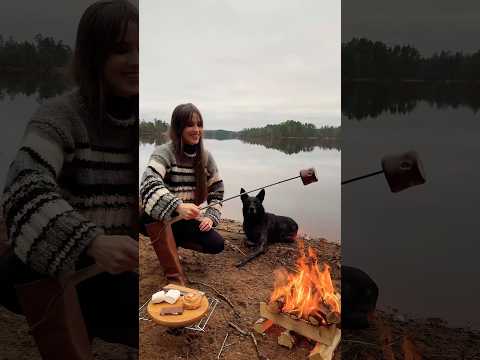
(23, 19)
(243, 63)
(429, 25)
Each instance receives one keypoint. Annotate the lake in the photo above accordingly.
(421, 246)
(315, 207)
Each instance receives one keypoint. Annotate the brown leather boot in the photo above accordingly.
(163, 243)
(55, 319)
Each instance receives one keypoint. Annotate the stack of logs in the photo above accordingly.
(324, 315)
(320, 327)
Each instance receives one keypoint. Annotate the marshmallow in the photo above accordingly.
(172, 296)
(158, 297)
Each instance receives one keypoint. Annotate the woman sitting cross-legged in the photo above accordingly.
(180, 176)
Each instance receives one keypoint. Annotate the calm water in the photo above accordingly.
(315, 207)
(420, 245)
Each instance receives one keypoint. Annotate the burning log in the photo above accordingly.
(333, 317)
(322, 334)
(286, 339)
(325, 352)
(313, 320)
(276, 306)
(262, 325)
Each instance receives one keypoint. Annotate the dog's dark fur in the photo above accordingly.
(359, 298)
(261, 227)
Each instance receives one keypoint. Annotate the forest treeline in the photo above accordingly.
(288, 129)
(291, 129)
(366, 59)
(43, 53)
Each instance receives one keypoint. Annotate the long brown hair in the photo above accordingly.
(181, 118)
(99, 29)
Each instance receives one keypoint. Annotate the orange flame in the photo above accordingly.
(307, 291)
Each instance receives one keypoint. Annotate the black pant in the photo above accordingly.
(109, 303)
(188, 235)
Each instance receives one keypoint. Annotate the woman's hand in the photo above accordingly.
(114, 253)
(188, 211)
(205, 224)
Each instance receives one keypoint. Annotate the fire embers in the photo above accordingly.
(308, 293)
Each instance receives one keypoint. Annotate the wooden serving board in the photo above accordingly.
(188, 317)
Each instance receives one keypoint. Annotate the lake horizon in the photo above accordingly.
(236, 160)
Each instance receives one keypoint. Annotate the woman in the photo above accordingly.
(180, 176)
(70, 195)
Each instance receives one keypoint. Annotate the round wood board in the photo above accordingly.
(188, 317)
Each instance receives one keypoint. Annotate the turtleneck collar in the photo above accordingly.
(190, 150)
(121, 110)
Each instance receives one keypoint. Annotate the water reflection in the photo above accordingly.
(287, 146)
(315, 207)
(362, 100)
(42, 85)
(418, 242)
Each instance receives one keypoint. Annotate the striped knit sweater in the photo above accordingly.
(69, 183)
(169, 180)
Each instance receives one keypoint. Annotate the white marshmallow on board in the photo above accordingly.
(172, 296)
(158, 297)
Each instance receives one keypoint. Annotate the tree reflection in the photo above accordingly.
(32, 83)
(362, 100)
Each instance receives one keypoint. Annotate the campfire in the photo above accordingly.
(304, 302)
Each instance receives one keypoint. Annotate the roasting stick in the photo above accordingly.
(308, 176)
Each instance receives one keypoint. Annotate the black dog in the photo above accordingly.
(261, 227)
(359, 298)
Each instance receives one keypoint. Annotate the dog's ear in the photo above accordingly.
(261, 195)
(244, 196)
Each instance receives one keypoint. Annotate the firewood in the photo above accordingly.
(324, 309)
(322, 334)
(274, 307)
(313, 320)
(262, 325)
(286, 339)
(325, 352)
(294, 317)
(333, 317)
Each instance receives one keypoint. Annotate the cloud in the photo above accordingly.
(241, 58)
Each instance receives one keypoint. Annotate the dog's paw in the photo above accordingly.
(249, 243)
